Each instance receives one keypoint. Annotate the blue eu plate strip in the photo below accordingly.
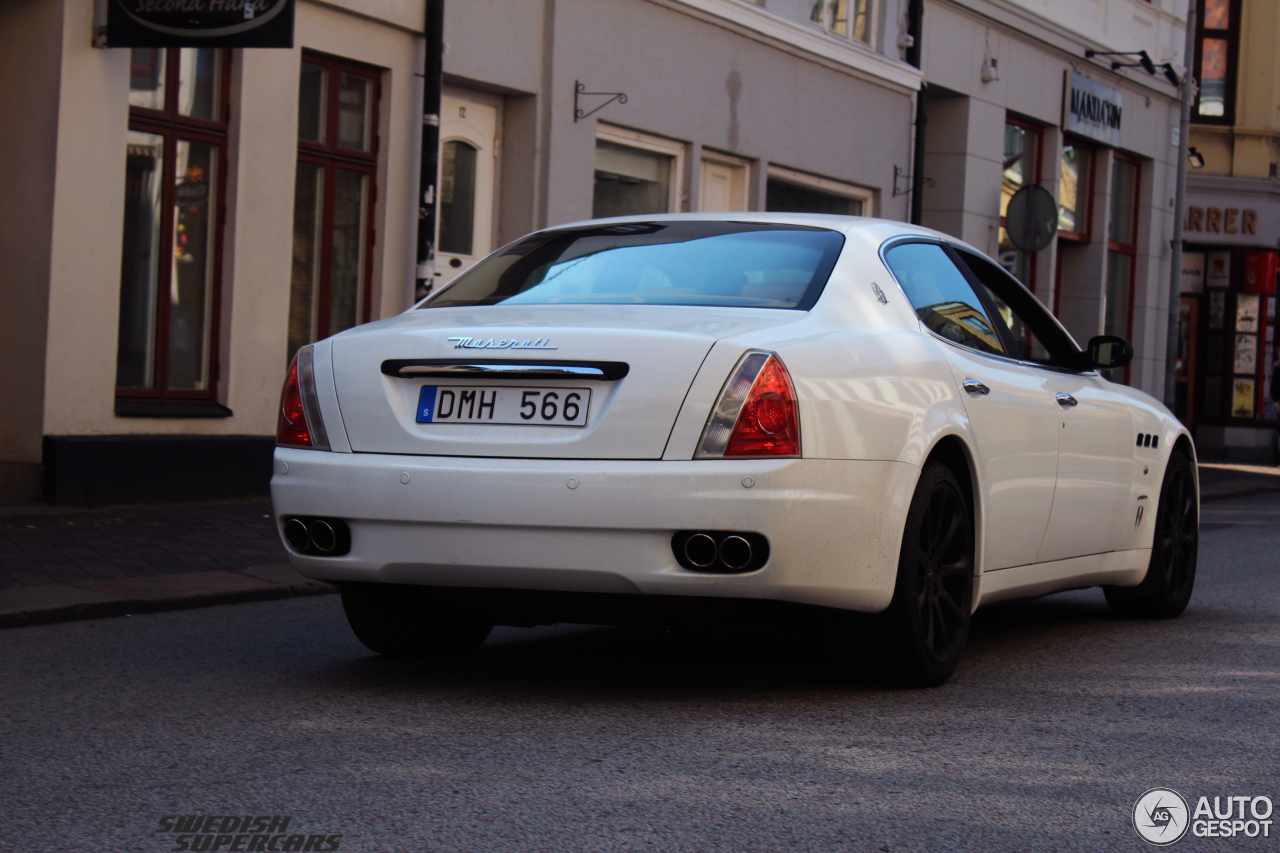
(426, 404)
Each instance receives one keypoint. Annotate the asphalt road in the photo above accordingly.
(607, 739)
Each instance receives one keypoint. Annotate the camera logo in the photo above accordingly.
(1160, 816)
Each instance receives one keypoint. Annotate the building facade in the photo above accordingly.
(1232, 233)
(1013, 101)
(174, 223)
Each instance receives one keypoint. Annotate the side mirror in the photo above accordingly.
(1109, 351)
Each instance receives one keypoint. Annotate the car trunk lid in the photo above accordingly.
(636, 363)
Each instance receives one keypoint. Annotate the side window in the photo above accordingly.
(942, 296)
(1034, 334)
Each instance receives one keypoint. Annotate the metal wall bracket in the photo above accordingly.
(898, 172)
(579, 89)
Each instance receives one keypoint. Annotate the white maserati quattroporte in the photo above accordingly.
(675, 417)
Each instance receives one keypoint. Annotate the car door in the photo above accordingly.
(1012, 413)
(1095, 427)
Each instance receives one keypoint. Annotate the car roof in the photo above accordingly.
(871, 230)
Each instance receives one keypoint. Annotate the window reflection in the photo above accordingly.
(312, 87)
(1074, 189)
(849, 18)
(1213, 77)
(1124, 186)
(1217, 14)
(457, 197)
(199, 82)
(190, 286)
(146, 78)
(140, 263)
(942, 296)
(784, 197)
(630, 181)
(353, 111)
(349, 225)
(304, 281)
(1021, 167)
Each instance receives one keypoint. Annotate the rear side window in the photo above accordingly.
(728, 264)
(942, 296)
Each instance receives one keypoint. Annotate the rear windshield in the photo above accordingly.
(730, 264)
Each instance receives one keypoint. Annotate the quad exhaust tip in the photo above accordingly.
(317, 537)
(722, 552)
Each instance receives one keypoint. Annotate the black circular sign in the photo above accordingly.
(1031, 219)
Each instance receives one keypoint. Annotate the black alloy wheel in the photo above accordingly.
(1171, 575)
(943, 558)
(918, 640)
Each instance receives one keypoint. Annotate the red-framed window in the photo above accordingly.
(1022, 165)
(1122, 247)
(335, 195)
(1217, 55)
(1077, 170)
(1075, 191)
(175, 190)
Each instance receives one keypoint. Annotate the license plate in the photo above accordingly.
(457, 404)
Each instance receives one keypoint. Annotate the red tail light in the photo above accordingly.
(769, 423)
(291, 428)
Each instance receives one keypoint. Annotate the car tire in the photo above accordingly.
(918, 640)
(1171, 575)
(411, 622)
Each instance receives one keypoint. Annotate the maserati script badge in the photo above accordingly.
(501, 343)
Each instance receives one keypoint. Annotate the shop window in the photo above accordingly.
(1217, 48)
(334, 198)
(635, 174)
(175, 165)
(848, 18)
(1122, 248)
(788, 191)
(1022, 146)
(1075, 191)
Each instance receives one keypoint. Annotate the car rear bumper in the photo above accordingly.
(834, 527)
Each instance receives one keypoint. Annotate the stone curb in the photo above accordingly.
(41, 605)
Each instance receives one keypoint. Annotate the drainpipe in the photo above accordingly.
(915, 28)
(429, 156)
(1179, 208)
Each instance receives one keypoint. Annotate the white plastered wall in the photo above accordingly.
(88, 213)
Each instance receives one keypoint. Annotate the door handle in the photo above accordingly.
(975, 387)
(1066, 401)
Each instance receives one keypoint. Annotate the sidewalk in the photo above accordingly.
(1222, 480)
(59, 564)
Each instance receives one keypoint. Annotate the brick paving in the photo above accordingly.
(52, 547)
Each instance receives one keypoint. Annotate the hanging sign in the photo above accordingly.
(1193, 272)
(1092, 109)
(200, 23)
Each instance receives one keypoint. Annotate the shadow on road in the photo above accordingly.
(740, 661)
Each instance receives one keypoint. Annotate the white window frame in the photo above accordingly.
(826, 185)
(743, 168)
(657, 144)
